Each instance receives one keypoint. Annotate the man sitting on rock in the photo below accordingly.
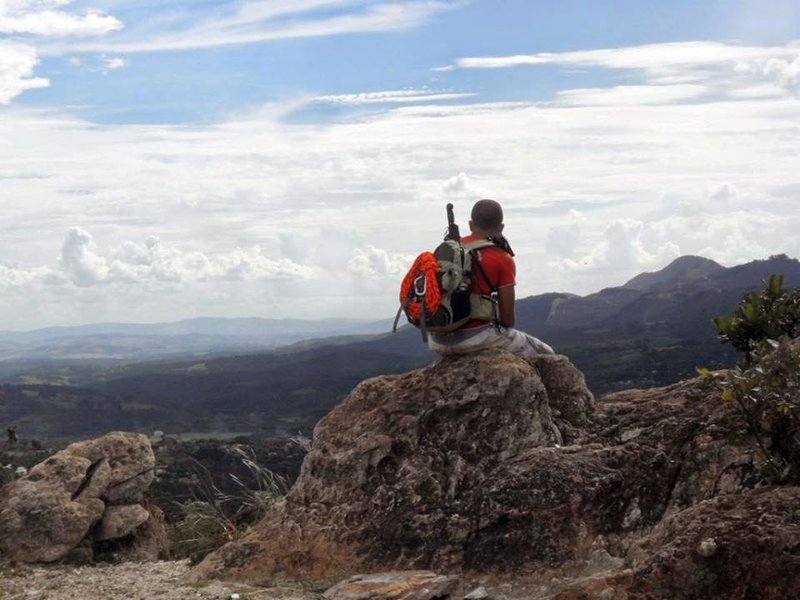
(498, 266)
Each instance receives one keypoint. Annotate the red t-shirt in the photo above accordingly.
(499, 267)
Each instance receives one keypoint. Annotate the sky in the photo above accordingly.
(169, 159)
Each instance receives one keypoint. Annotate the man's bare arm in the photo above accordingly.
(505, 306)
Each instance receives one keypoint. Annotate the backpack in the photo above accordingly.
(436, 292)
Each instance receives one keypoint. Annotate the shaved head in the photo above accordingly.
(487, 214)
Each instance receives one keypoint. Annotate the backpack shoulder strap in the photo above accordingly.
(478, 244)
(472, 248)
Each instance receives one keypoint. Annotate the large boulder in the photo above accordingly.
(441, 467)
(89, 491)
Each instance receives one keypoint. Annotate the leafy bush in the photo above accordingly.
(764, 391)
(765, 396)
(774, 314)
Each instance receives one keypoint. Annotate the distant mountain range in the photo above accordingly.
(654, 330)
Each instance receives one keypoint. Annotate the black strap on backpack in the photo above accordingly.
(476, 259)
(422, 329)
(400, 312)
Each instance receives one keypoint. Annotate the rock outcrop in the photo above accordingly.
(744, 545)
(491, 463)
(441, 467)
(88, 493)
(737, 546)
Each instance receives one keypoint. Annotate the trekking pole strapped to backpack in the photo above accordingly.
(452, 228)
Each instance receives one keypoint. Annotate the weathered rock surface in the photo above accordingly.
(131, 460)
(149, 541)
(490, 463)
(432, 469)
(397, 585)
(88, 490)
(119, 521)
(735, 546)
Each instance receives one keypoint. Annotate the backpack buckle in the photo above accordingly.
(420, 285)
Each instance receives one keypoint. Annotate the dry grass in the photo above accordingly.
(214, 517)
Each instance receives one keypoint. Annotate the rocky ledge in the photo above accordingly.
(488, 463)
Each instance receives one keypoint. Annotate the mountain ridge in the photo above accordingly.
(618, 337)
(682, 270)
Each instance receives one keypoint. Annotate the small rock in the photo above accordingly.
(395, 585)
(631, 434)
(707, 548)
(479, 593)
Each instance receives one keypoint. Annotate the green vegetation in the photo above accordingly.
(215, 516)
(774, 314)
(23, 453)
(764, 398)
(764, 391)
(199, 532)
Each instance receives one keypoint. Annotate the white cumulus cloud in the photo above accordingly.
(115, 63)
(462, 186)
(80, 260)
(339, 250)
(784, 73)
(17, 62)
(35, 21)
(377, 262)
(623, 249)
(16, 277)
(42, 18)
(85, 265)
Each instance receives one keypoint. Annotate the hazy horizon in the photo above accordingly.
(388, 318)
